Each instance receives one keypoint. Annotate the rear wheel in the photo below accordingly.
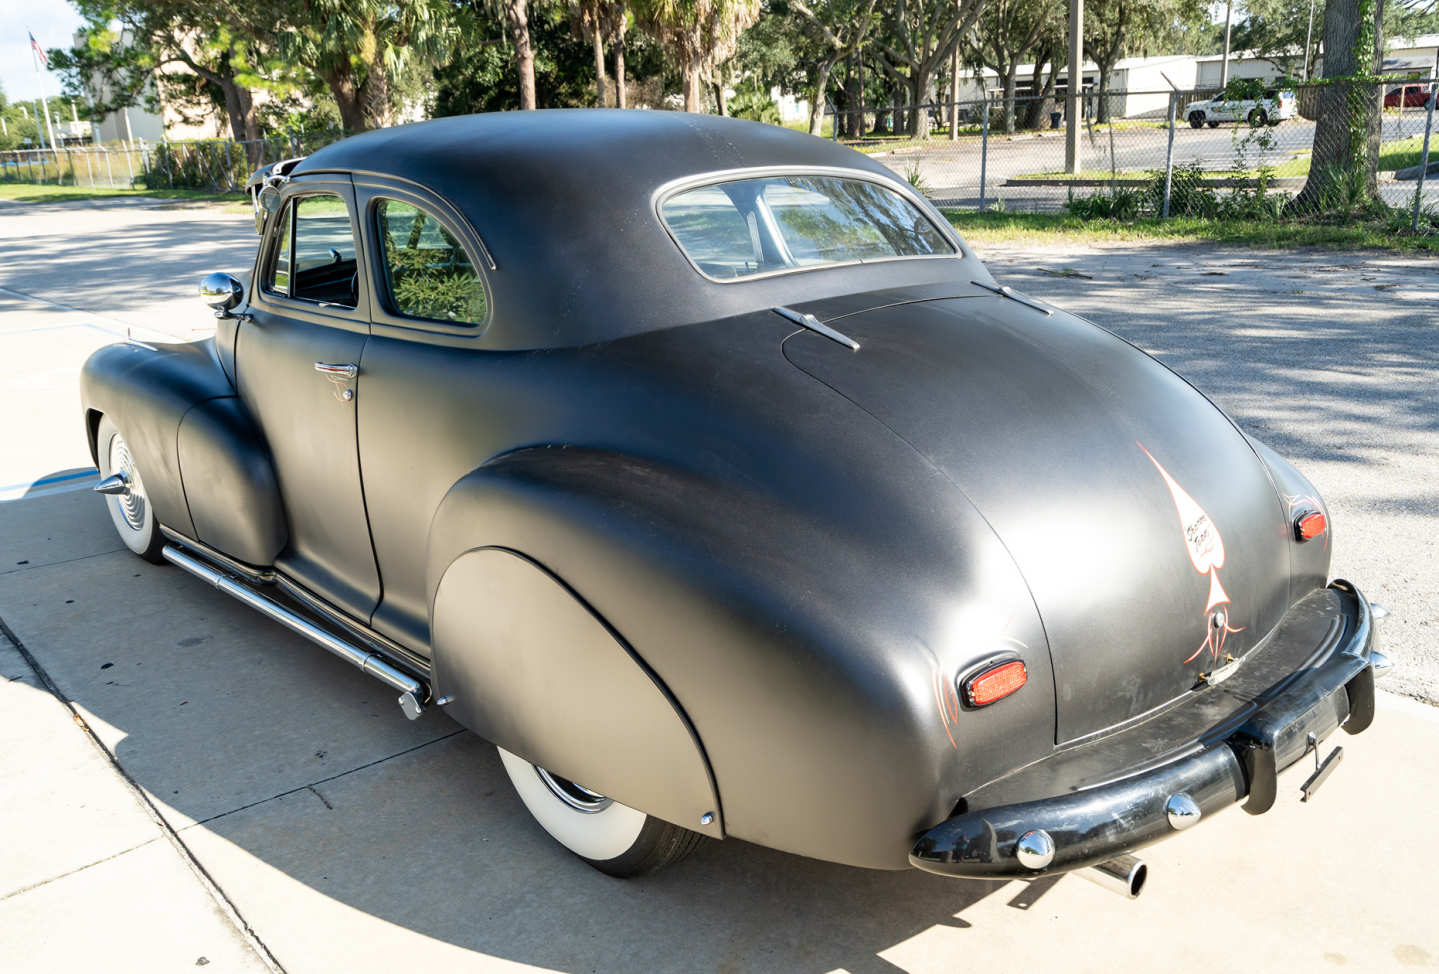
(1258, 117)
(1196, 120)
(1214, 125)
(130, 511)
(614, 838)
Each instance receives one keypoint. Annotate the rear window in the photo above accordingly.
(763, 225)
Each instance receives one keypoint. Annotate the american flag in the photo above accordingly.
(39, 51)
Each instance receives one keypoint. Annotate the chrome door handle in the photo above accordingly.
(348, 370)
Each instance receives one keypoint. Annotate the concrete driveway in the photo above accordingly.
(188, 785)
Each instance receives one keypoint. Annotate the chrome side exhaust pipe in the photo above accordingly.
(413, 693)
(1124, 875)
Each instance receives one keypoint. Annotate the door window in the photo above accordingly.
(428, 275)
(278, 280)
(325, 267)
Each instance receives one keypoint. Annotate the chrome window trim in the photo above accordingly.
(385, 292)
(291, 205)
(926, 209)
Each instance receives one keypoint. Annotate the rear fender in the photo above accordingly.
(532, 668)
(762, 623)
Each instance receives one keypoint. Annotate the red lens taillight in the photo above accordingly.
(995, 683)
(1309, 526)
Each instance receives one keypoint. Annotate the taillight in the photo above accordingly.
(995, 683)
(1309, 526)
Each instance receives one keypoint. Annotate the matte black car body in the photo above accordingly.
(646, 532)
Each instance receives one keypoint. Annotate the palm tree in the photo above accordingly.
(598, 21)
(699, 34)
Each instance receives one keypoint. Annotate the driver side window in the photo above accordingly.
(315, 257)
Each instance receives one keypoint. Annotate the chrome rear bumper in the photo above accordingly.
(1238, 759)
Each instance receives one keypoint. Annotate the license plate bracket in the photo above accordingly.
(1322, 769)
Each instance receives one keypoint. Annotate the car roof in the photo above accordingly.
(565, 203)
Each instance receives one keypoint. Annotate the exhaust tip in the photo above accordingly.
(1125, 875)
(1137, 879)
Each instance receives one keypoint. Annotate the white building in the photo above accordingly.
(1402, 56)
(1138, 86)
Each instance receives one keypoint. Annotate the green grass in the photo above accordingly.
(50, 193)
(1403, 153)
(1065, 228)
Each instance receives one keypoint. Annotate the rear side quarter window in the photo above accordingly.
(428, 275)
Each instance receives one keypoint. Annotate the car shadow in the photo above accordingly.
(280, 765)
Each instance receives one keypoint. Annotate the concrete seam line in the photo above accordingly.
(62, 561)
(221, 900)
(71, 872)
(334, 777)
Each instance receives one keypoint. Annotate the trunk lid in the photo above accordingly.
(1148, 531)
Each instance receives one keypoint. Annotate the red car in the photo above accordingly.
(1407, 96)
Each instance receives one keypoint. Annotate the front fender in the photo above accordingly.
(206, 467)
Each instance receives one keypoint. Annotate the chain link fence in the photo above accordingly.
(1276, 151)
(215, 165)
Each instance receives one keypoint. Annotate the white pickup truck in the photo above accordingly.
(1276, 106)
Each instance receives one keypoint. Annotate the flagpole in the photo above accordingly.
(35, 60)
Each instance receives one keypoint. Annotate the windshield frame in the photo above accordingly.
(664, 193)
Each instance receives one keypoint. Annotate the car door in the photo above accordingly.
(434, 403)
(297, 364)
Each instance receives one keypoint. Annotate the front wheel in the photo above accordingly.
(1257, 117)
(1196, 120)
(1214, 125)
(130, 510)
(614, 838)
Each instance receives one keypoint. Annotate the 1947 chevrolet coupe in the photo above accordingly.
(702, 468)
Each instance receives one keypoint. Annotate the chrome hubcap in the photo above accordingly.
(131, 504)
(578, 797)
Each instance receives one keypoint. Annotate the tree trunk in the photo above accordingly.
(918, 85)
(621, 99)
(720, 105)
(816, 101)
(244, 118)
(954, 94)
(1042, 105)
(518, 18)
(599, 44)
(1009, 73)
(347, 100)
(853, 126)
(1101, 110)
(375, 101)
(693, 88)
(1345, 162)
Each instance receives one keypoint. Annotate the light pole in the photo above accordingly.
(1308, 40)
(1224, 67)
(1076, 84)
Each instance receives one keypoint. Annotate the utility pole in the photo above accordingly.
(1224, 67)
(1308, 40)
(1075, 87)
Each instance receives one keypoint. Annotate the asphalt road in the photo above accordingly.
(951, 170)
(187, 782)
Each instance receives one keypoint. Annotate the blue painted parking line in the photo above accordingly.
(45, 486)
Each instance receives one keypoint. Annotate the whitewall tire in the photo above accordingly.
(131, 513)
(614, 838)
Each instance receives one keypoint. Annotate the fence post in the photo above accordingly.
(129, 169)
(1169, 158)
(109, 170)
(1423, 160)
(983, 145)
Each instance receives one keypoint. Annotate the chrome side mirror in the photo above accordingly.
(221, 292)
